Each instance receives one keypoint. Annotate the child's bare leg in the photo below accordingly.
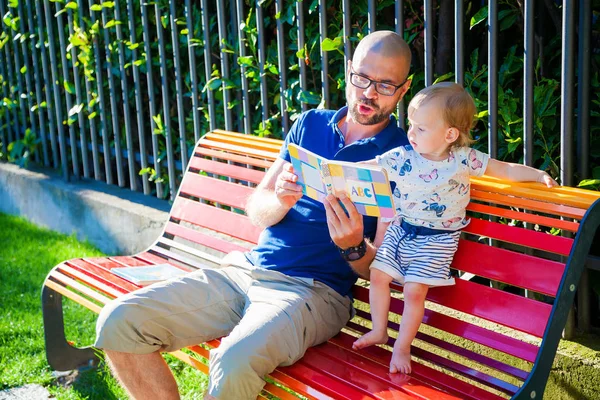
(379, 300)
(414, 308)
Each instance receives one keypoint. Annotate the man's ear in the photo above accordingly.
(452, 135)
(404, 88)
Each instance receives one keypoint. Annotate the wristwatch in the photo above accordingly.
(354, 253)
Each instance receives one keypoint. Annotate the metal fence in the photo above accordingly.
(119, 91)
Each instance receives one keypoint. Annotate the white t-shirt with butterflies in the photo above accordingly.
(433, 194)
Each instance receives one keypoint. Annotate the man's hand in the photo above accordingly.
(346, 230)
(287, 190)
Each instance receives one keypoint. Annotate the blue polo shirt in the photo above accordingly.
(300, 244)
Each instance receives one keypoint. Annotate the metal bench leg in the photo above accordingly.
(60, 354)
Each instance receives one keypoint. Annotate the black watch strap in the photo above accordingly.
(354, 253)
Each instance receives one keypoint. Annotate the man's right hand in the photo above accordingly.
(288, 192)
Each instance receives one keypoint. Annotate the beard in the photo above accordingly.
(376, 117)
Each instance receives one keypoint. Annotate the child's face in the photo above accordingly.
(428, 133)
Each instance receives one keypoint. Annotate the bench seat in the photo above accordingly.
(493, 335)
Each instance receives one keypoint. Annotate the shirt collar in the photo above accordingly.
(380, 140)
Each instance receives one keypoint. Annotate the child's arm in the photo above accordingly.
(517, 173)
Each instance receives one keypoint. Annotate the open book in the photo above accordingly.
(366, 185)
(147, 275)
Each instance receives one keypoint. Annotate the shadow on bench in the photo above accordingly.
(493, 335)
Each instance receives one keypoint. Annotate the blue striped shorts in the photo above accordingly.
(410, 257)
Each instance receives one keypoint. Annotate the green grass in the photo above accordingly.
(27, 254)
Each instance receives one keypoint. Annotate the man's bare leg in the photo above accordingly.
(144, 376)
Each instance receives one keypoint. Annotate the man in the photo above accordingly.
(292, 291)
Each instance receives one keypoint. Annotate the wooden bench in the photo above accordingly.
(480, 339)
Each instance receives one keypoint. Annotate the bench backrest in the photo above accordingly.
(511, 271)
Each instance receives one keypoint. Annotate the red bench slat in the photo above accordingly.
(524, 217)
(520, 236)
(223, 169)
(199, 237)
(509, 267)
(219, 220)
(477, 334)
(239, 158)
(217, 190)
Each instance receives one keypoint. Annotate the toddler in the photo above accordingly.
(431, 195)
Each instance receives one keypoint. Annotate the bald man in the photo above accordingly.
(293, 290)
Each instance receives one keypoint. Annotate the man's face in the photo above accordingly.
(368, 106)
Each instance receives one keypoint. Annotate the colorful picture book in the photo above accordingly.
(366, 185)
(150, 274)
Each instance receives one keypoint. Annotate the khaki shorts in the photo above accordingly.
(269, 318)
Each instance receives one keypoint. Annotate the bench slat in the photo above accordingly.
(524, 217)
(521, 236)
(247, 142)
(449, 364)
(223, 169)
(217, 190)
(102, 275)
(481, 359)
(564, 195)
(201, 238)
(216, 145)
(220, 220)
(509, 267)
(461, 328)
(517, 312)
(429, 376)
(533, 205)
(238, 158)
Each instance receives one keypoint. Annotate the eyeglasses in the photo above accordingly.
(362, 82)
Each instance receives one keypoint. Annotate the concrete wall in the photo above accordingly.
(116, 220)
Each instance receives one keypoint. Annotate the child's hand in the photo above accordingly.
(546, 179)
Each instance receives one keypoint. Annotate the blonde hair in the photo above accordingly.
(458, 108)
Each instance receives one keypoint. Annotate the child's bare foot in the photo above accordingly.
(400, 362)
(369, 339)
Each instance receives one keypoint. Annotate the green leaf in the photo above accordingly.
(68, 87)
(185, 31)
(245, 60)
(92, 115)
(480, 16)
(96, 7)
(589, 182)
(308, 97)
(330, 45)
(72, 5)
(483, 113)
(212, 84)
(112, 23)
(108, 4)
(23, 69)
(444, 77)
(133, 46)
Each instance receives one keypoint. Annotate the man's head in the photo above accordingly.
(376, 78)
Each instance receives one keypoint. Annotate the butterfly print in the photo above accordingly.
(410, 206)
(463, 189)
(433, 175)
(438, 208)
(397, 193)
(453, 184)
(473, 160)
(435, 198)
(407, 167)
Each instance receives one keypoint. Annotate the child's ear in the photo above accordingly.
(452, 135)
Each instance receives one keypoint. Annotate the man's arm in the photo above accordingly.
(274, 196)
(347, 230)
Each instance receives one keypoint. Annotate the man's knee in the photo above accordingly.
(237, 369)
(115, 326)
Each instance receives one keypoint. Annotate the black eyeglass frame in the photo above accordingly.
(371, 81)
